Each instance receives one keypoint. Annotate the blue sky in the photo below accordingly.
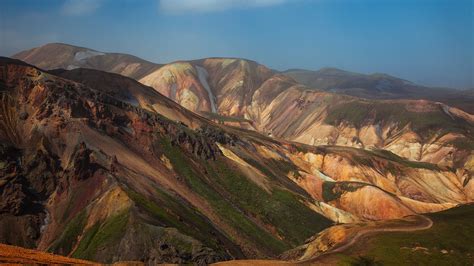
(426, 41)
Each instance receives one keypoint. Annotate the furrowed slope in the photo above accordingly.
(97, 170)
(124, 183)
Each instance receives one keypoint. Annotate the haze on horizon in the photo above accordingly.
(429, 42)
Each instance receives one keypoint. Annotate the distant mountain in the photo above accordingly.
(379, 86)
(59, 55)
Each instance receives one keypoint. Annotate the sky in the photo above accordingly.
(429, 42)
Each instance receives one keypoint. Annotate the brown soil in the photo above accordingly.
(17, 255)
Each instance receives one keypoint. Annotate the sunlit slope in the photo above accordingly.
(246, 94)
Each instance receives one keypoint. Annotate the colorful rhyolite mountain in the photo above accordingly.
(246, 94)
(98, 166)
(108, 169)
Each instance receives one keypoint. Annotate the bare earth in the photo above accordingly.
(18, 255)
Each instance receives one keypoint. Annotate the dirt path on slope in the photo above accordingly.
(423, 224)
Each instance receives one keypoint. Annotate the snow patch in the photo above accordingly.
(202, 74)
(378, 131)
(45, 222)
(86, 54)
(71, 67)
(174, 87)
(325, 177)
(446, 110)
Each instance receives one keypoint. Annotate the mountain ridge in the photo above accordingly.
(234, 88)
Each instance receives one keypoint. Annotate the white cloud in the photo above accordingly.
(80, 7)
(203, 6)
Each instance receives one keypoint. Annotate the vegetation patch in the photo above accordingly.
(334, 190)
(171, 213)
(395, 158)
(293, 221)
(463, 144)
(102, 235)
(227, 188)
(360, 113)
(68, 238)
(450, 241)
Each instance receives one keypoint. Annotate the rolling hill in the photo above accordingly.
(379, 86)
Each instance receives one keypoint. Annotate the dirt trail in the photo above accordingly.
(423, 224)
(17, 255)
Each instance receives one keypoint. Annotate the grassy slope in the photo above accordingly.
(102, 235)
(452, 231)
(240, 202)
(357, 113)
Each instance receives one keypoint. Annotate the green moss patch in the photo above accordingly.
(204, 187)
(102, 235)
(449, 242)
(359, 113)
(172, 213)
(69, 237)
(334, 190)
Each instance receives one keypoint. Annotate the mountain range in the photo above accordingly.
(246, 94)
(108, 157)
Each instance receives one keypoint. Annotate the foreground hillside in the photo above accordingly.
(100, 167)
(15, 255)
(249, 95)
(416, 241)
